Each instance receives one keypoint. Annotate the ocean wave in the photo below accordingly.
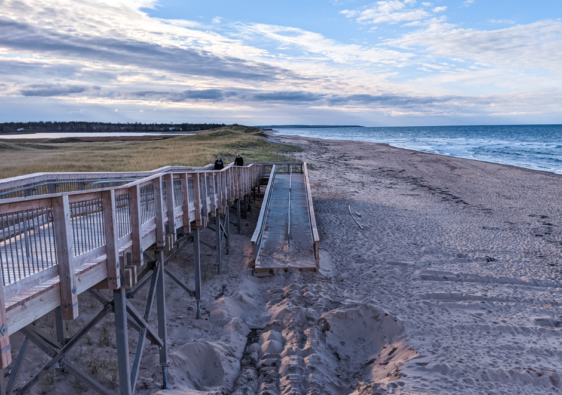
(536, 147)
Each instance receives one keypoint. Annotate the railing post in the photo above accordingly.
(204, 205)
(185, 202)
(136, 237)
(170, 203)
(111, 244)
(5, 355)
(65, 256)
(197, 202)
(159, 212)
(229, 187)
(219, 192)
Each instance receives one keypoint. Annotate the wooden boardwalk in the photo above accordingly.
(288, 238)
(57, 246)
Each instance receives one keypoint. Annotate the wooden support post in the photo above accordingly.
(197, 202)
(136, 237)
(170, 203)
(5, 355)
(65, 255)
(204, 205)
(159, 212)
(229, 187)
(213, 194)
(238, 182)
(222, 186)
(111, 242)
(219, 192)
(185, 202)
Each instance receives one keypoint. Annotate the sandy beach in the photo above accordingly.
(452, 285)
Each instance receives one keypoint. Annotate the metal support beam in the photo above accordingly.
(57, 356)
(180, 283)
(238, 222)
(61, 327)
(218, 242)
(245, 213)
(227, 231)
(197, 263)
(162, 330)
(142, 335)
(120, 303)
(212, 247)
(17, 365)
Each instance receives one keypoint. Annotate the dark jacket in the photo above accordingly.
(239, 161)
(219, 165)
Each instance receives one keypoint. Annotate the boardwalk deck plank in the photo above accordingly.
(278, 252)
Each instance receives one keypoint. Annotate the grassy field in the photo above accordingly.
(71, 155)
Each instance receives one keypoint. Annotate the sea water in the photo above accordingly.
(536, 147)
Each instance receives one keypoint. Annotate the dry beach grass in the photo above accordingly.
(75, 155)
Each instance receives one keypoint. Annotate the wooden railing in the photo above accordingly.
(257, 237)
(54, 247)
(49, 183)
(313, 227)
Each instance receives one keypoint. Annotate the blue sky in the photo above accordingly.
(388, 62)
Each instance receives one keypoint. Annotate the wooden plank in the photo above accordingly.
(5, 347)
(6, 208)
(185, 202)
(22, 285)
(84, 196)
(135, 210)
(65, 255)
(159, 212)
(111, 242)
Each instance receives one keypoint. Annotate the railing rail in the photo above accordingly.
(312, 216)
(257, 237)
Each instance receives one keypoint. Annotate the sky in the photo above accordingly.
(261, 62)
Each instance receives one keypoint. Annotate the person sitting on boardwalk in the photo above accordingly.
(219, 165)
(239, 161)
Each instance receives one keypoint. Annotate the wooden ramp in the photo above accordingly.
(286, 235)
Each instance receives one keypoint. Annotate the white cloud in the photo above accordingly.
(217, 19)
(502, 21)
(467, 3)
(317, 44)
(110, 53)
(533, 46)
(389, 11)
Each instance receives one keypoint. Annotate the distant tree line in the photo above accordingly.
(11, 127)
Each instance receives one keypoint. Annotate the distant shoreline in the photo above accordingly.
(285, 139)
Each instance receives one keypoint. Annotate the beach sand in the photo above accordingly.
(453, 286)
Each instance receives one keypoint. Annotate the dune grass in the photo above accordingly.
(69, 155)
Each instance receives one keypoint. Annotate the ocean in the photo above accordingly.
(536, 147)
